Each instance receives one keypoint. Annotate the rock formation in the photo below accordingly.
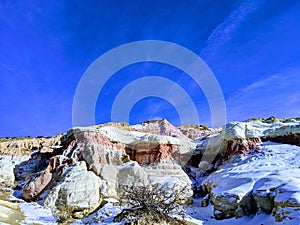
(265, 179)
(234, 167)
(115, 156)
(21, 146)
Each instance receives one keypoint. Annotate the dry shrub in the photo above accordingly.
(152, 204)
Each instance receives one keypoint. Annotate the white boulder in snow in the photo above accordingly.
(77, 195)
(7, 176)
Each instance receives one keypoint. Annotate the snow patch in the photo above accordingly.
(37, 214)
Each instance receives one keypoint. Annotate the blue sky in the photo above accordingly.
(252, 47)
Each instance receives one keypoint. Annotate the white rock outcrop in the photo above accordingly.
(7, 176)
(77, 195)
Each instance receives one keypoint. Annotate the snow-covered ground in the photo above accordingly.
(105, 215)
(37, 214)
(276, 169)
(204, 216)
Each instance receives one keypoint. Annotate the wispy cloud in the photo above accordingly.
(255, 85)
(294, 99)
(222, 33)
(276, 95)
(7, 66)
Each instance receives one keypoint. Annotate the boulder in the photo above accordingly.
(77, 195)
(114, 177)
(264, 193)
(131, 174)
(203, 165)
(7, 176)
(279, 194)
(283, 214)
(108, 174)
(205, 201)
(36, 185)
(231, 196)
(46, 179)
(174, 185)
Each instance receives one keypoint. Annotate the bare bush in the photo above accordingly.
(152, 204)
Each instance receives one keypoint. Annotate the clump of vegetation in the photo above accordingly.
(121, 125)
(194, 126)
(254, 119)
(154, 120)
(14, 138)
(272, 119)
(152, 204)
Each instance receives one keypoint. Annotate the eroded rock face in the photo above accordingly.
(281, 132)
(7, 176)
(146, 153)
(21, 146)
(114, 156)
(93, 147)
(239, 146)
(242, 138)
(161, 127)
(77, 195)
(148, 148)
(197, 132)
(291, 138)
(47, 178)
(27, 169)
(73, 174)
(152, 159)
